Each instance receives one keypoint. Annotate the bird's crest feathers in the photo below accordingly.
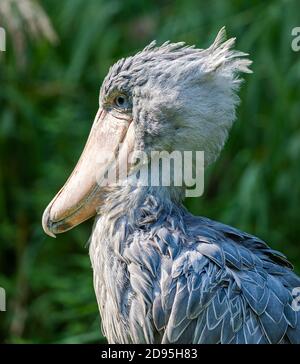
(220, 53)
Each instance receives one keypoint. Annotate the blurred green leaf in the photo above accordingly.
(47, 104)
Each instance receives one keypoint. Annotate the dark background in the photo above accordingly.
(58, 53)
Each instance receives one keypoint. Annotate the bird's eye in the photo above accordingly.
(121, 101)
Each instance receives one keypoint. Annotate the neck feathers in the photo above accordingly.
(127, 209)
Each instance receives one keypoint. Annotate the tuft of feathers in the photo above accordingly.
(220, 53)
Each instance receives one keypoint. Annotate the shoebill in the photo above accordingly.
(162, 275)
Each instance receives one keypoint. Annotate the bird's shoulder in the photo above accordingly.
(207, 282)
(227, 245)
(225, 286)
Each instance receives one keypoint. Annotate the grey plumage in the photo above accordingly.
(186, 279)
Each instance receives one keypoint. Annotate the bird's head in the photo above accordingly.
(166, 98)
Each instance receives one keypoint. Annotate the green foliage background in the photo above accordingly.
(48, 98)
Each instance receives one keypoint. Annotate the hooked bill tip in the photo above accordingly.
(46, 223)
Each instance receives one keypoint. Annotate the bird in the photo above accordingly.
(162, 275)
